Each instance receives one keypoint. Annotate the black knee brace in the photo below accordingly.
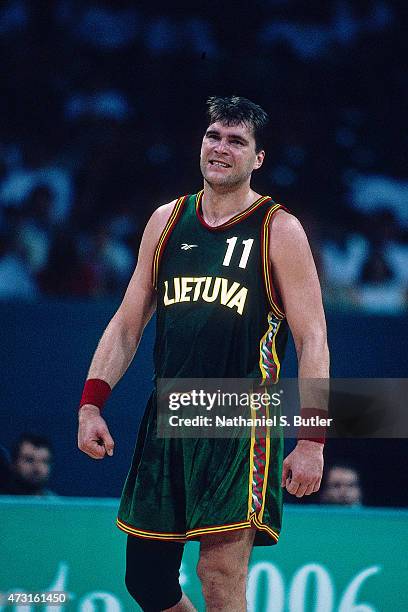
(152, 573)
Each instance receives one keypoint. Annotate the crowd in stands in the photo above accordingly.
(103, 110)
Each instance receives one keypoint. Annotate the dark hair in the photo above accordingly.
(235, 109)
(35, 440)
(338, 465)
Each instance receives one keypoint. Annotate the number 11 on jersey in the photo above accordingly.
(245, 253)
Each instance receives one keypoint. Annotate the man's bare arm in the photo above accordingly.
(295, 275)
(121, 337)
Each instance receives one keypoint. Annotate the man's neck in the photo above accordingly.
(218, 206)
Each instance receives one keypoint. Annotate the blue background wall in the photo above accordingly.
(45, 352)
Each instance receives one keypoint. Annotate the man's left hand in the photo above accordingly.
(303, 468)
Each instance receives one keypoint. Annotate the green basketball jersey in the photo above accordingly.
(217, 312)
(217, 317)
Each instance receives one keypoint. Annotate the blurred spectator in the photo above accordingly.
(344, 258)
(38, 171)
(34, 228)
(165, 34)
(124, 224)
(310, 40)
(15, 277)
(30, 468)
(380, 291)
(397, 257)
(66, 274)
(107, 28)
(341, 485)
(111, 261)
(104, 104)
(372, 192)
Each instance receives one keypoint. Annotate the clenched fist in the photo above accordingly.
(303, 468)
(94, 438)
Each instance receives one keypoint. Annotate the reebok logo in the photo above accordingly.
(186, 247)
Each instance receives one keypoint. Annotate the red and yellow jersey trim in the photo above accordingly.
(168, 228)
(251, 468)
(235, 219)
(151, 535)
(259, 525)
(192, 534)
(267, 449)
(260, 452)
(269, 363)
(266, 266)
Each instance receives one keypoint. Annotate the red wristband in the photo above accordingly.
(96, 392)
(311, 428)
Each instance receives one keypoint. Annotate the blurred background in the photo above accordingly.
(103, 111)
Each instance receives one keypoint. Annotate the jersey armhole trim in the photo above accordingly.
(274, 302)
(168, 228)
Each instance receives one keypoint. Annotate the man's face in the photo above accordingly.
(228, 155)
(342, 487)
(33, 465)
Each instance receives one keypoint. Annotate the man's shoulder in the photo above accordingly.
(162, 213)
(168, 212)
(160, 217)
(286, 224)
(286, 235)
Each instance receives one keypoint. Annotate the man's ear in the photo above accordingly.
(260, 156)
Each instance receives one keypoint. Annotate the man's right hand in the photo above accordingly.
(94, 438)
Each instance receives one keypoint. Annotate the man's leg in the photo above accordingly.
(184, 605)
(152, 575)
(223, 569)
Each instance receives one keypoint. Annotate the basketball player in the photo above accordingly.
(227, 271)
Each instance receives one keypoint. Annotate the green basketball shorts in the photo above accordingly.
(180, 489)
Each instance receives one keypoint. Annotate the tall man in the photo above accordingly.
(227, 271)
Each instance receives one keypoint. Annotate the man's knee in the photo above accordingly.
(221, 580)
(152, 573)
(221, 569)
